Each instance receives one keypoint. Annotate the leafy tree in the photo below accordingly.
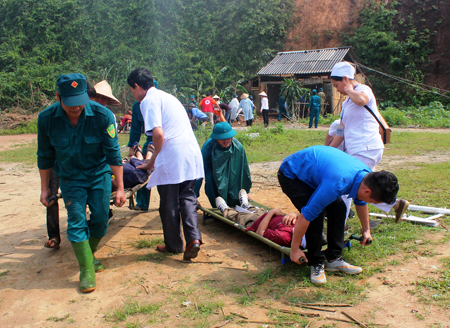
(178, 40)
(379, 45)
(293, 90)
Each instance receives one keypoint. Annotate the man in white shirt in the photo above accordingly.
(176, 160)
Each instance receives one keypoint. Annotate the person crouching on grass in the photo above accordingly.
(314, 179)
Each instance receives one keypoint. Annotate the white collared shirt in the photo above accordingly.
(264, 103)
(180, 158)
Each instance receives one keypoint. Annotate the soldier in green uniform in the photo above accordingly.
(78, 138)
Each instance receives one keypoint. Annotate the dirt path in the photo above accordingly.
(38, 286)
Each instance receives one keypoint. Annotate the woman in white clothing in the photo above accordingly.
(265, 108)
(361, 130)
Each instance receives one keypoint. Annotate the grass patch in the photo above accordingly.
(154, 257)
(131, 308)
(4, 273)
(283, 318)
(148, 243)
(58, 319)
(346, 290)
(435, 290)
(25, 128)
(203, 309)
(406, 143)
(22, 154)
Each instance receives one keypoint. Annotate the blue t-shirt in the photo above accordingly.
(198, 113)
(331, 172)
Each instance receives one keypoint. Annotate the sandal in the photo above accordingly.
(150, 148)
(137, 148)
(53, 243)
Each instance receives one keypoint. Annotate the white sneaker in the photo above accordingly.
(243, 199)
(342, 265)
(221, 204)
(318, 274)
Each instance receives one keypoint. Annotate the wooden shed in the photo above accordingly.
(311, 67)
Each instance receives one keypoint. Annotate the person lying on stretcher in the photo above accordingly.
(133, 176)
(273, 225)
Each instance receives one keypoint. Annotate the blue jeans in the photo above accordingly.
(228, 116)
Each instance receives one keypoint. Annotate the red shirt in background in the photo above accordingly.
(207, 104)
(276, 231)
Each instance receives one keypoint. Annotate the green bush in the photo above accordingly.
(395, 117)
(433, 115)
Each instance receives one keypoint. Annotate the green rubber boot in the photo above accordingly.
(85, 258)
(93, 242)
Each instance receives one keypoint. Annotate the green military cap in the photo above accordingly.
(73, 89)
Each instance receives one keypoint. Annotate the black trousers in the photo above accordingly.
(265, 113)
(299, 193)
(53, 211)
(178, 200)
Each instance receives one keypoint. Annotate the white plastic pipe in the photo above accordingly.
(431, 210)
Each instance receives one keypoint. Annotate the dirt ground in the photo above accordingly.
(38, 287)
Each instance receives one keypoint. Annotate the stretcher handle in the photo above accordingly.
(355, 237)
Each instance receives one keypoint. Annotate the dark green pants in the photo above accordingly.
(77, 194)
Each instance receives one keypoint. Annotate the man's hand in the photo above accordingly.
(296, 255)
(198, 203)
(120, 198)
(366, 236)
(45, 193)
(147, 166)
(289, 219)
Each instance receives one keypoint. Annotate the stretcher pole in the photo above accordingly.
(284, 250)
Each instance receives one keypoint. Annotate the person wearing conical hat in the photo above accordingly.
(265, 108)
(247, 107)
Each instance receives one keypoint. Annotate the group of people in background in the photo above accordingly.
(212, 110)
(77, 140)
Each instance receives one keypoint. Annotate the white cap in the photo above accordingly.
(263, 94)
(343, 69)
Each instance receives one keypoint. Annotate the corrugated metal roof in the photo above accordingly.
(305, 62)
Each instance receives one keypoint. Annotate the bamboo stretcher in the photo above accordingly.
(130, 194)
(209, 213)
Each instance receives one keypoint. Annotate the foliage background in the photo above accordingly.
(192, 46)
(176, 39)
